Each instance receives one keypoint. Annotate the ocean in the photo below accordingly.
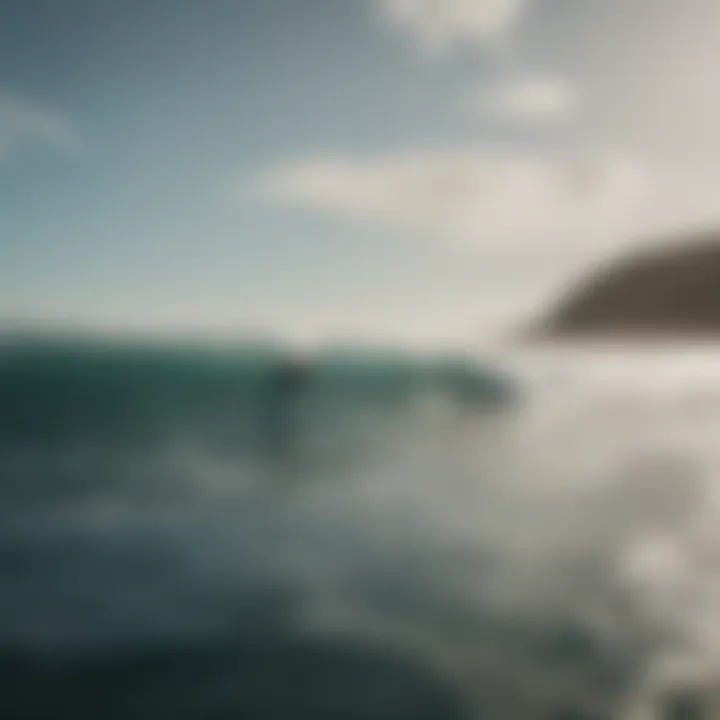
(236, 532)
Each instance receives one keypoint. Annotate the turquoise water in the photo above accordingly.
(95, 419)
(197, 532)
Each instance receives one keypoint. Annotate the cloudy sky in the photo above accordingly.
(420, 169)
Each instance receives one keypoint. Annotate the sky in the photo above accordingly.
(422, 170)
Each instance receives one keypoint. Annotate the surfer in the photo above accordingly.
(281, 431)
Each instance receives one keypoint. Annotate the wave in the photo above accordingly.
(204, 528)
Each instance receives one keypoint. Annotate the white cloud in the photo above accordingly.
(25, 124)
(535, 99)
(487, 202)
(528, 225)
(438, 24)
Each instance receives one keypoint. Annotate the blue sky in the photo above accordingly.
(411, 169)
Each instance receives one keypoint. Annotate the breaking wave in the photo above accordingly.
(186, 536)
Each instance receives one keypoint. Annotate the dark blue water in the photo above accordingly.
(234, 533)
